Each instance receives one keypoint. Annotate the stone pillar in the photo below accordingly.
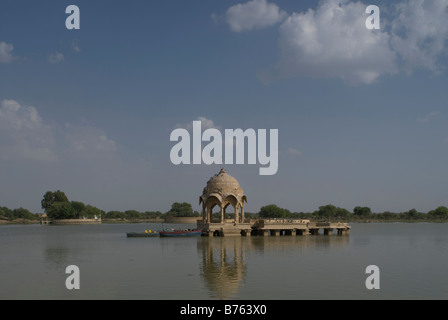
(209, 214)
(236, 214)
(343, 231)
(242, 213)
(328, 231)
(223, 213)
(305, 232)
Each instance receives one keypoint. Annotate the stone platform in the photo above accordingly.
(272, 227)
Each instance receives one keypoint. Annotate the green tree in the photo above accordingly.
(363, 212)
(183, 209)
(7, 213)
(342, 213)
(21, 213)
(132, 214)
(412, 215)
(330, 211)
(273, 211)
(439, 213)
(387, 215)
(61, 210)
(50, 198)
(90, 212)
(79, 207)
(151, 214)
(115, 215)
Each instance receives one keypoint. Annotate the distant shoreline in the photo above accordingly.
(107, 221)
(182, 221)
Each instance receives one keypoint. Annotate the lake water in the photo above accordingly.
(412, 259)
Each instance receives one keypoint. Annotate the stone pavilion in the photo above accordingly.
(222, 190)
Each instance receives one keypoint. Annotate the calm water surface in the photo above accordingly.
(413, 262)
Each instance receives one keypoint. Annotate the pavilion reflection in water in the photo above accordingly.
(223, 266)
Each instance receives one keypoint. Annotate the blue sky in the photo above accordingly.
(361, 113)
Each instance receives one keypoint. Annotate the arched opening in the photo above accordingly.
(228, 215)
(215, 213)
(233, 201)
(211, 202)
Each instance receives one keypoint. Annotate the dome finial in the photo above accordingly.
(222, 171)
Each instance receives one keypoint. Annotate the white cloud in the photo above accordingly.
(428, 117)
(419, 33)
(84, 140)
(215, 18)
(333, 42)
(23, 134)
(6, 52)
(254, 14)
(75, 46)
(56, 57)
(205, 124)
(38, 155)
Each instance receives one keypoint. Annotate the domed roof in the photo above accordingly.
(224, 185)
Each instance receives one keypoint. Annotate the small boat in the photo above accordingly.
(180, 233)
(142, 234)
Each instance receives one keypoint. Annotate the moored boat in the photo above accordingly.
(142, 234)
(180, 233)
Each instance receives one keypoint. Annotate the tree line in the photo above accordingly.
(17, 214)
(178, 209)
(331, 212)
(57, 206)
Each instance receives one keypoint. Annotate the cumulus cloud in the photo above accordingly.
(419, 33)
(37, 153)
(75, 46)
(84, 141)
(205, 124)
(55, 58)
(428, 117)
(255, 14)
(6, 52)
(331, 41)
(23, 134)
